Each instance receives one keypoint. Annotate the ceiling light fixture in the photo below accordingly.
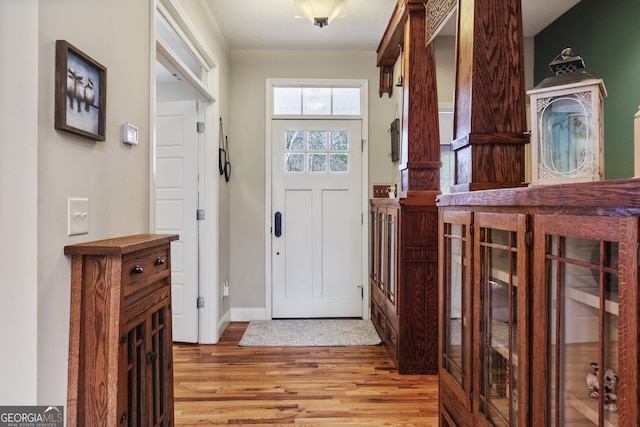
(320, 12)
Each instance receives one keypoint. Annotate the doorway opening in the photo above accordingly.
(181, 188)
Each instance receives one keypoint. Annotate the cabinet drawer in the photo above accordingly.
(142, 268)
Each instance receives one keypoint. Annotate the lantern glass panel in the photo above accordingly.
(566, 134)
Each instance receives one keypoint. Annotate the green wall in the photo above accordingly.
(606, 34)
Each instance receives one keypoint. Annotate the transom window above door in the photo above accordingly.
(316, 151)
(317, 101)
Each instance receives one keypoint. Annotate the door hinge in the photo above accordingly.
(200, 302)
(362, 142)
(200, 215)
(200, 127)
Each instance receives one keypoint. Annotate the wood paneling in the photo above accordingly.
(224, 384)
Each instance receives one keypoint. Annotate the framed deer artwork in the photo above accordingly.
(80, 93)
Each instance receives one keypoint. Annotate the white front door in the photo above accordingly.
(176, 204)
(316, 242)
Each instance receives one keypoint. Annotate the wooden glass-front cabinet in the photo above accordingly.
(404, 281)
(539, 306)
(384, 274)
(483, 322)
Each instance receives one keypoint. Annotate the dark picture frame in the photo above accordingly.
(80, 93)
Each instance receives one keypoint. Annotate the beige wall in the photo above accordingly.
(114, 176)
(249, 71)
(18, 201)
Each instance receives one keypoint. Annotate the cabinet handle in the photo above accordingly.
(137, 269)
(159, 261)
(123, 418)
(151, 356)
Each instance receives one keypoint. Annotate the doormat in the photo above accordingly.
(309, 333)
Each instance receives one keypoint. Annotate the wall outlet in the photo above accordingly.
(77, 215)
(225, 289)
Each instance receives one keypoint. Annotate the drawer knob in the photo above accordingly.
(137, 269)
(160, 261)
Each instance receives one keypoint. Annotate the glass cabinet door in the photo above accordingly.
(383, 253)
(456, 314)
(501, 317)
(392, 249)
(582, 291)
(375, 247)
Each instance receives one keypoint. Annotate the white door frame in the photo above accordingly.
(209, 327)
(364, 85)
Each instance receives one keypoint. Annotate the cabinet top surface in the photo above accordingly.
(119, 245)
(623, 193)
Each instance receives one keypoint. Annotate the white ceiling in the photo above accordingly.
(270, 24)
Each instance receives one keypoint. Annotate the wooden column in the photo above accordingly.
(420, 173)
(490, 112)
(420, 158)
(417, 315)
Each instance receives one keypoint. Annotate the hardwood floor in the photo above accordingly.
(224, 384)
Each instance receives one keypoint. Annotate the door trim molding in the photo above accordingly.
(209, 111)
(364, 202)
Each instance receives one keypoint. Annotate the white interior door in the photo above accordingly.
(316, 189)
(176, 203)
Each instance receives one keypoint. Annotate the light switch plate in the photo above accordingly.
(77, 215)
(129, 133)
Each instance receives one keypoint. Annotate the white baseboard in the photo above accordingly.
(246, 314)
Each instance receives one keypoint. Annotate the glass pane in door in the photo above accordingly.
(382, 272)
(454, 278)
(583, 278)
(499, 334)
(392, 222)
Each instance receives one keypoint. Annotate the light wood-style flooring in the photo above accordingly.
(224, 384)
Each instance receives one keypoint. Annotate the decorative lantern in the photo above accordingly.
(567, 124)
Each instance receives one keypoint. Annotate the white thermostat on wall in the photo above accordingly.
(129, 133)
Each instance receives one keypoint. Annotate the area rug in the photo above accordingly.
(310, 332)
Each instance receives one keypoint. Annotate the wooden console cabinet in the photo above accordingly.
(539, 285)
(404, 293)
(120, 340)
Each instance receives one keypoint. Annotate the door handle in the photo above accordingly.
(278, 225)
